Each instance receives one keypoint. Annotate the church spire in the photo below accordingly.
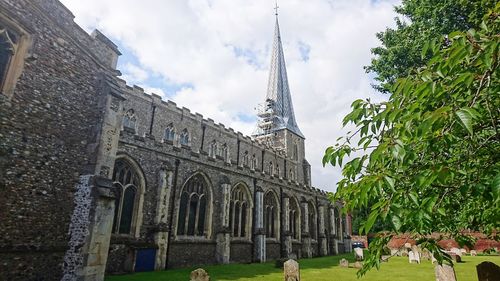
(277, 112)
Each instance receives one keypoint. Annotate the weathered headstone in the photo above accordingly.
(358, 265)
(455, 257)
(385, 258)
(358, 254)
(344, 263)
(413, 257)
(394, 252)
(445, 273)
(407, 245)
(456, 251)
(488, 271)
(463, 251)
(473, 253)
(425, 254)
(291, 270)
(199, 275)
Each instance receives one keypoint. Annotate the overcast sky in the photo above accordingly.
(213, 56)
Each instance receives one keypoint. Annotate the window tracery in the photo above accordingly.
(184, 137)
(239, 212)
(193, 207)
(130, 120)
(127, 185)
(169, 133)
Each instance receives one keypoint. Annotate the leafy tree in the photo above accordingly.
(430, 155)
(421, 21)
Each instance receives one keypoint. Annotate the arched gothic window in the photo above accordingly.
(193, 207)
(128, 184)
(129, 120)
(245, 159)
(169, 132)
(184, 137)
(212, 149)
(239, 212)
(271, 215)
(271, 168)
(225, 153)
(312, 219)
(338, 222)
(8, 48)
(277, 170)
(344, 230)
(294, 217)
(291, 174)
(253, 163)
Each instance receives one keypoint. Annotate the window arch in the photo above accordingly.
(245, 159)
(169, 133)
(130, 120)
(240, 212)
(253, 163)
(294, 217)
(271, 168)
(212, 149)
(312, 219)
(277, 170)
(8, 49)
(271, 215)
(224, 153)
(338, 222)
(184, 137)
(291, 174)
(194, 207)
(129, 184)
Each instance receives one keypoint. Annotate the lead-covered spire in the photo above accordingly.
(277, 112)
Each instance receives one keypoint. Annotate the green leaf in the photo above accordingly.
(371, 220)
(465, 118)
(396, 222)
(414, 198)
(390, 182)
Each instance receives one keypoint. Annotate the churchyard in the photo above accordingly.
(319, 269)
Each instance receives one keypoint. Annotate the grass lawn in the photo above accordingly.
(317, 269)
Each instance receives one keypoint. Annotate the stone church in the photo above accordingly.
(99, 177)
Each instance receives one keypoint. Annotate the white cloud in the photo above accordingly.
(222, 48)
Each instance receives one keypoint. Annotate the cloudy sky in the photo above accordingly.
(213, 56)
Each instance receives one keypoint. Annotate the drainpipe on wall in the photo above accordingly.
(152, 119)
(317, 226)
(203, 127)
(174, 191)
(238, 157)
(282, 227)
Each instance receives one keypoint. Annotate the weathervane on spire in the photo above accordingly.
(276, 8)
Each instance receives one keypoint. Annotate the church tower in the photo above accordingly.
(276, 125)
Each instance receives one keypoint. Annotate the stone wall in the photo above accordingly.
(49, 132)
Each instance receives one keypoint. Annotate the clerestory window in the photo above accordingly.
(169, 133)
(184, 137)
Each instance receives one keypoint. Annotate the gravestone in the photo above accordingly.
(291, 270)
(455, 257)
(488, 271)
(433, 259)
(425, 254)
(413, 257)
(358, 265)
(407, 245)
(199, 275)
(445, 273)
(473, 253)
(456, 251)
(463, 251)
(344, 263)
(395, 252)
(385, 258)
(358, 254)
